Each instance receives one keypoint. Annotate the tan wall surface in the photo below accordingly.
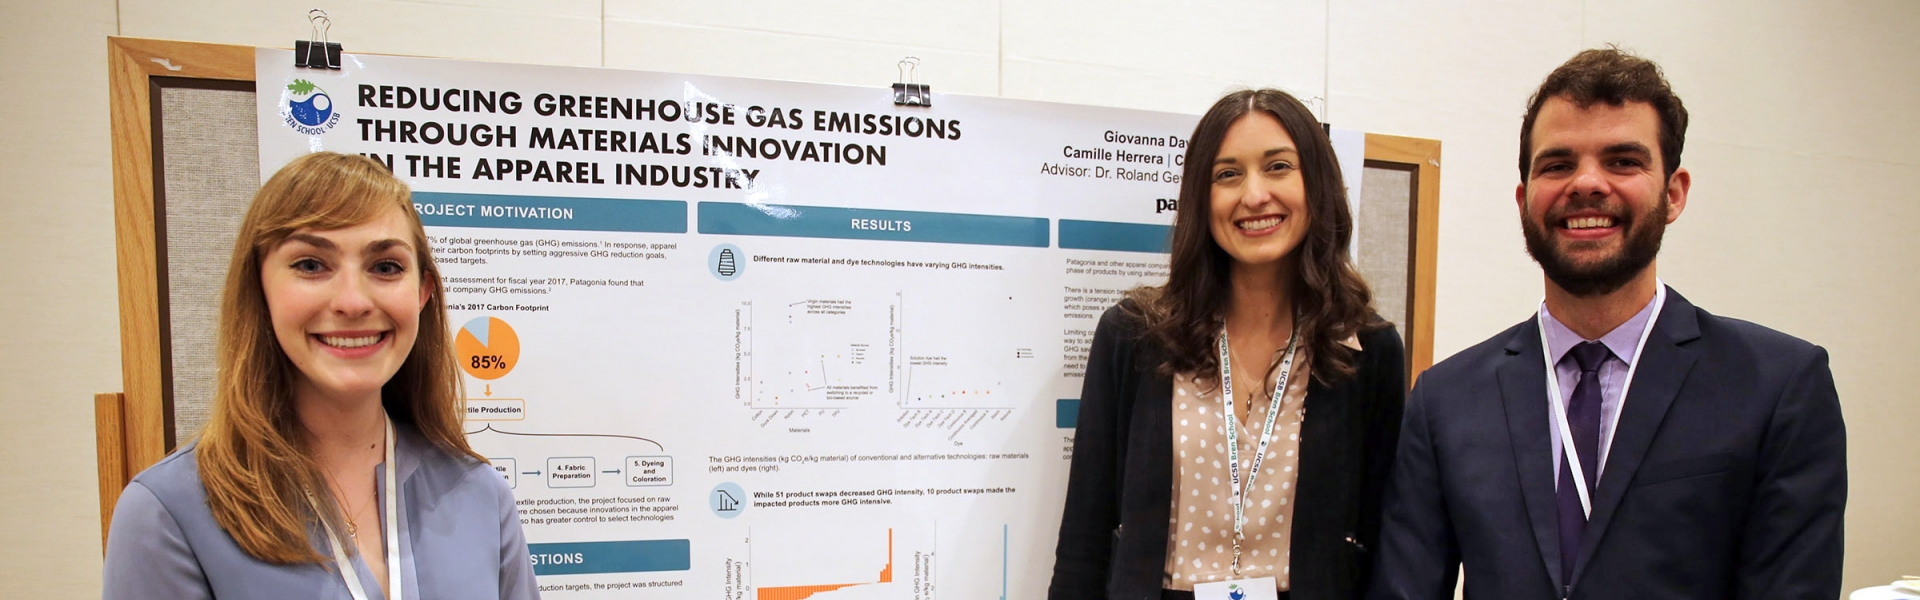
(59, 313)
(1800, 147)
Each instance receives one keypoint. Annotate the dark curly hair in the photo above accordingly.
(1330, 299)
(1616, 77)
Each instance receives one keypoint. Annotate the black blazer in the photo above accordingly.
(1113, 534)
(1727, 477)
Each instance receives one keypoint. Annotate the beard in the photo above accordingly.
(1608, 274)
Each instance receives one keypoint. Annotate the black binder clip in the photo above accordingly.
(909, 92)
(317, 53)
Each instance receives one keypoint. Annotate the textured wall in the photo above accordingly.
(1800, 149)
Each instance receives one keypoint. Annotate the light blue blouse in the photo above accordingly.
(460, 537)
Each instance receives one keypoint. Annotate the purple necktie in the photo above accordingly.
(1583, 418)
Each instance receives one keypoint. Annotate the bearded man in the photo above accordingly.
(1622, 442)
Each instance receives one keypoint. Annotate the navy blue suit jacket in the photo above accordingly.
(1727, 477)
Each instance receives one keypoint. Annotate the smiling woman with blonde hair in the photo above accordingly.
(337, 386)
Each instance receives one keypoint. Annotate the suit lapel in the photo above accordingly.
(1663, 368)
(1523, 389)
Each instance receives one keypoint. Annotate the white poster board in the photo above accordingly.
(732, 338)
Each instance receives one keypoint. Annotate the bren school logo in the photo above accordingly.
(308, 109)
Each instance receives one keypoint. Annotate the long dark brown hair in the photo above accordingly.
(253, 452)
(1331, 301)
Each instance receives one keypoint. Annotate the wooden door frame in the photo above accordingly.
(1424, 156)
(133, 427)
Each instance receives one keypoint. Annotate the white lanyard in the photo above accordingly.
(391, 530)
(1567, 449)
(1238, 496)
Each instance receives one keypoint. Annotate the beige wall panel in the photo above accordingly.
(1460, 76)
(1821, 78)
(1079, 83)
(1384, 260)
(213, 170)
(1800, 243)
(59, 312)
(959, 25)
(773, 55)
(1444, 56)
(1244, 42)
(558, 32)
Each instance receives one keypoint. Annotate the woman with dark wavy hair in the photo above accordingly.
(1237, 423)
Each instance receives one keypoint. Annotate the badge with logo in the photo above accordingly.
(1259, 588)
(307, 109)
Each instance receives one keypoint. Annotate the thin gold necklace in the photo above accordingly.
(1251, 394)
(339, 495)
(1261, 389)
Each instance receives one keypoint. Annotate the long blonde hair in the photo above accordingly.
(253, 452)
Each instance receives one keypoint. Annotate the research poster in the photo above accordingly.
(745, 339)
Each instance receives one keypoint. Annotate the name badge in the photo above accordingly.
(1262, 588)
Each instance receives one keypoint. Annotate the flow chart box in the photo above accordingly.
(648, 471)
(496, 409)
(571, 472)
(504, 467)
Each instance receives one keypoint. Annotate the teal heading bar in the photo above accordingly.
(870, 224)
(643, 556)
(1125, 237)
(444, 209)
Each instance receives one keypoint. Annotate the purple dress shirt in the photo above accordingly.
(1623, 341)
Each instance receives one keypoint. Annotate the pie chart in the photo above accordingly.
(488, 348)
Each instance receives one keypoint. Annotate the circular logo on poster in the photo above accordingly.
(308, 109)
(727, 500)
(726, 262)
